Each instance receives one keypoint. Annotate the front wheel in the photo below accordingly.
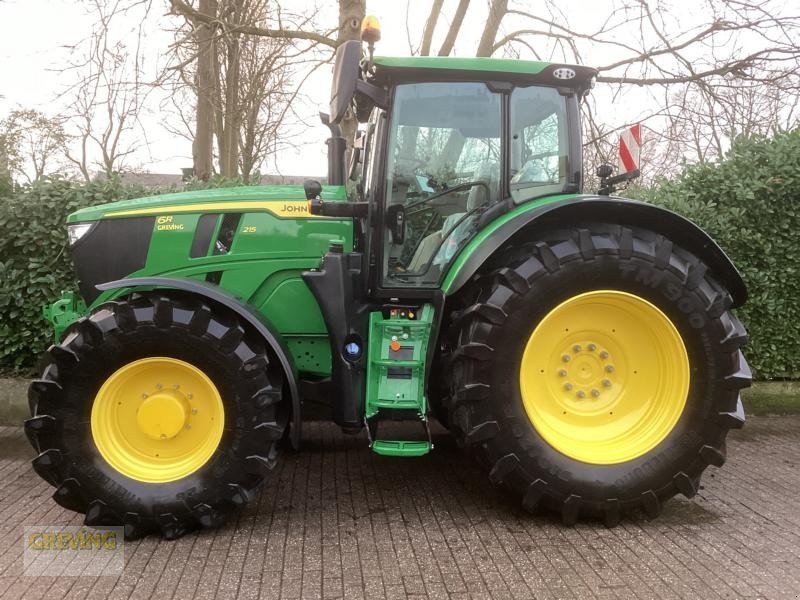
(598, 372)
(159, 414)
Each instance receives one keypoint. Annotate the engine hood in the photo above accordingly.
(224, 199)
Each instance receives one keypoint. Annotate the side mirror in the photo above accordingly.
(312, 188)
(396, 222)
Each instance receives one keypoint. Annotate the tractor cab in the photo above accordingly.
(449, 144)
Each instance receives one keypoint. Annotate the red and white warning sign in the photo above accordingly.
(629, 143)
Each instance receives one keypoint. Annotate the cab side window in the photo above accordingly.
(443, 169)
(539, 144)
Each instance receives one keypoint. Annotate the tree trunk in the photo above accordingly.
(229, 136)
(497, 11)
(455, 27)
(5, 168)
(430, 26)
(205, 82)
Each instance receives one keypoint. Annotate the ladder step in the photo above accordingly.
(400, 323)
(399, 403)
(386, 362)
(400, 448)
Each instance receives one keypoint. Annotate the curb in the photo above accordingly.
(13, 400)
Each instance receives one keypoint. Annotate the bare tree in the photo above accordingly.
(31, 144)
(257, 49)
(107, 97)
(655, 53)
(702, 123)
(205, 83)
(734, 67)
(729, 69)
(240, 84)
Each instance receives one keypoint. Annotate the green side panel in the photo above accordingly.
(489, 65)
(282, 297)
(273, 243)
(312, 354)
(492, 227)
(170, 243)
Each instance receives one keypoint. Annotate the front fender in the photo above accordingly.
(607, 209)
(257, 320)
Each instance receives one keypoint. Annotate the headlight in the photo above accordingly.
(77, 231)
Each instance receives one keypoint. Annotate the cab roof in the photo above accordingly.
(441, 68)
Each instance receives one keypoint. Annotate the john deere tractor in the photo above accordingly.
(582, 347)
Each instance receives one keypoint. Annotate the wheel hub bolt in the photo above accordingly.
(565, 358)
(189, 396)
(144, 396)
(576, 348)
(591, 347)
(581, 394)
(194, 411)
(606, 383)
(568, 386)
(177, 386)
(562, 373)
(604, 354)
(609, 368)
(159, 386)
(595, 393)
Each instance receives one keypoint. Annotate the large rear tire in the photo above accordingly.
(597, 372)
(157, 413)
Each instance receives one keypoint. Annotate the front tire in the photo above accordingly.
(542, 426)
(157, 413)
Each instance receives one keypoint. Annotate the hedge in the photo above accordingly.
(34, 264)
(749, 203)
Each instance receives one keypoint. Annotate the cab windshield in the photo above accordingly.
(444, 166)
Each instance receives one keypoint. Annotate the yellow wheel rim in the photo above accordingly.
(604, 377)
(157, 419)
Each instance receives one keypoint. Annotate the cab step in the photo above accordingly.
(398, 347)
(398, 447)
(401, 448)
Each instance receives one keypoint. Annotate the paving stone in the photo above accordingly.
(340, 522)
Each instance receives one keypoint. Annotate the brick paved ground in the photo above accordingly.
(339, 521)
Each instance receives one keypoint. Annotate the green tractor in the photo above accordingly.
(582, 347)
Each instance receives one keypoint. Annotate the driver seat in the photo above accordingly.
(485, 172)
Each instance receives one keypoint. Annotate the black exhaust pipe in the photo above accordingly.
(337, 146)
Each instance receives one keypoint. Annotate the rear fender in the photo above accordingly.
(260, 323)
(565, 213)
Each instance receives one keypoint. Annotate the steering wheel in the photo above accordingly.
(456, 188)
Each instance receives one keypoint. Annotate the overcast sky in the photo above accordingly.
(37, 35)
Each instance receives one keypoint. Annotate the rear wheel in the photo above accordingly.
(157, 413)
(598, 372)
